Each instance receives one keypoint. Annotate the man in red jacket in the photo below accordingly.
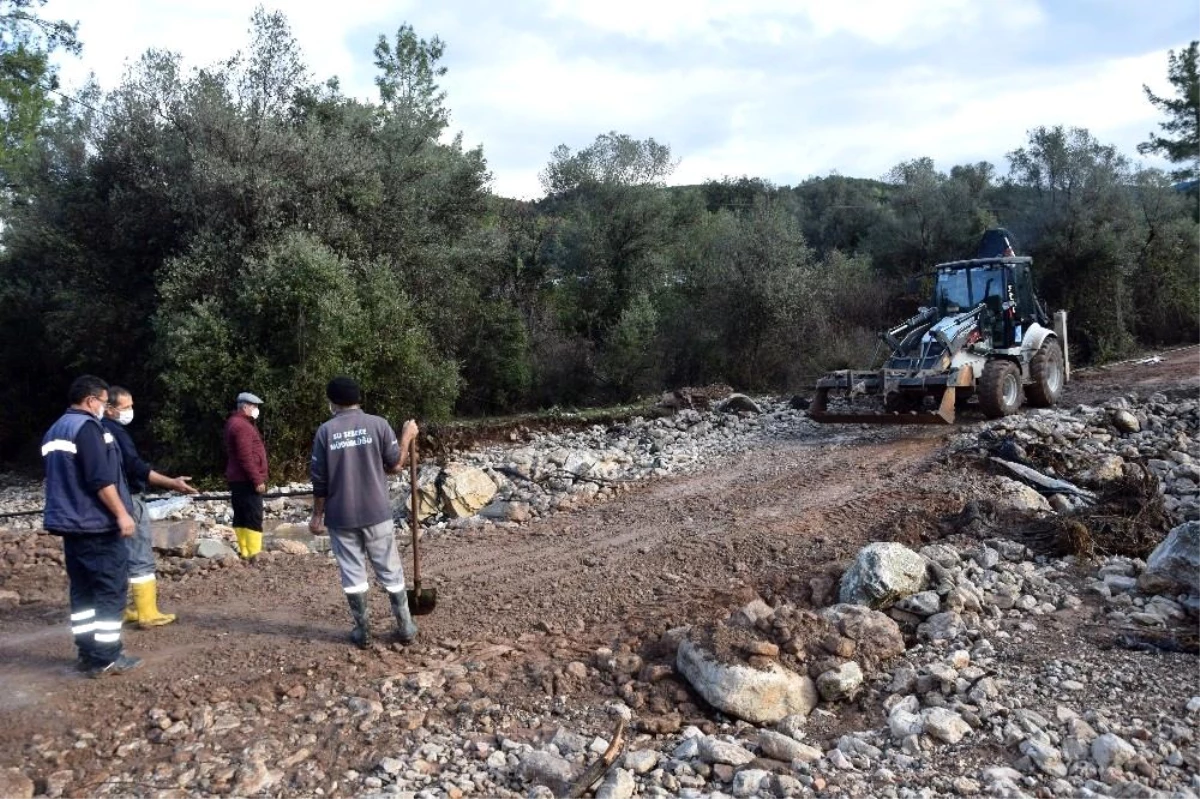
(246, 473)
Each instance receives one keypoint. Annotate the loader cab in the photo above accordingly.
(1003, 285)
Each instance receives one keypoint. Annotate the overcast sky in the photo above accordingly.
(776, 89)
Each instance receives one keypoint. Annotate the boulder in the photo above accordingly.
(618, 784)
(545, 768)
(214, 549)
(1125, 421)
(1112, 750)
(883, 573)
(1105, 470)
(944, 724)
(786, 748)
(740, 403)
(840, 683)
(714, 750)
(507, 512)
(465, 490)
(1012, 495)
(1175, 563)
(757, 694)
(876, 637)
(427, 501)
(174, 538)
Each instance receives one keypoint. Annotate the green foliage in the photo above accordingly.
(27, 80)
(243, 227)
(1081, 212)
(290, 320)
(1181, 144)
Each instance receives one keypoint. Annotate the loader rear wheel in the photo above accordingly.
(999, 389)
(1046, 369)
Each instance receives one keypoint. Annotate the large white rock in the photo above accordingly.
(944, 724)
(714, 750)
(466, 489)
(786, 748)
(883, 573)
(840, 683)
(1017, 496)
(619, 784)
(1176, 561)
(758, 695)
(1112, 750)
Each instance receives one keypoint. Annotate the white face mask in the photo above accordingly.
(254, 412)
(125, 416)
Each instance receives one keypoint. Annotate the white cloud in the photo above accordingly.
(118, 32)
(902, 23)
(778, 89)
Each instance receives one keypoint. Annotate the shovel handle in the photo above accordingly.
(412, 478)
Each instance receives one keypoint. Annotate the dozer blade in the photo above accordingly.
(943, 415)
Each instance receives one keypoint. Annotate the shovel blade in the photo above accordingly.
(422, 601)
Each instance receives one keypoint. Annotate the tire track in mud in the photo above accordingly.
(673, 537)
(669, 552)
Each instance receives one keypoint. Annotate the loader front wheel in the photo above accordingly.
(999, 389)
(1046, 369)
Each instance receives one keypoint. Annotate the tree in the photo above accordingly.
(1084, 233)
(614, 159)
(26, 77)
(407, 81)
(1181, 144)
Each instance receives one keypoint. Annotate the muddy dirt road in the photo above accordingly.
(515, 604)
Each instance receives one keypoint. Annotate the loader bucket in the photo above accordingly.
(943, 385)
(943, 415)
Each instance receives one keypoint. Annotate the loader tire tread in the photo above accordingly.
(999, 390)
(1046, 371)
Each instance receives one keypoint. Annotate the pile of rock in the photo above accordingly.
(512, 483)
(960, 710)
(1094, 445)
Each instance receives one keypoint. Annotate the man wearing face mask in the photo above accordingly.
(89, 507)
(246, 473)
(142, 608)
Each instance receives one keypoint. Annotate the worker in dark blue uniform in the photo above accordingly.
(88, 505)
(142, 609)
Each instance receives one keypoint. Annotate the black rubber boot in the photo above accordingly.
(405, 626)
(361, 634)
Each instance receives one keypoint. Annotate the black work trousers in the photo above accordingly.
(247, 506)
(98, 569)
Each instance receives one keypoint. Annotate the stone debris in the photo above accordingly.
(934, 683)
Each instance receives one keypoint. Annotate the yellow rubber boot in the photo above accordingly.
(241, 538)
(131, 614)
(146, 596)
(253, 543)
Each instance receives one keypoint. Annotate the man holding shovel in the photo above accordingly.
(352, 455)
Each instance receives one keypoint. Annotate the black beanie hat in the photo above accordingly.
(343, 391)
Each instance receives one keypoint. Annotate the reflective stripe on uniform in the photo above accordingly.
(361, 588)
(83, 629)
(394, 589)
(58, 445)
(108, 632)
(83, 614)
(145, 578)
